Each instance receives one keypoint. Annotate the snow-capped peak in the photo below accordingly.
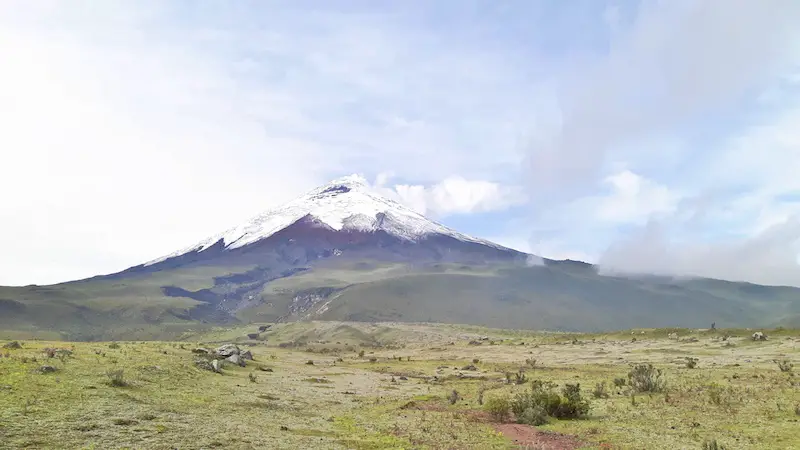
(346, 203)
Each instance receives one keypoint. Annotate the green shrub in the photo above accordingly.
(691, 363)
(113, 345)
(722, 396)
(453, 397)
(116, 378)
(785, 365)
(620, 382)
(542, 401)
(535, 415)
(600, 390)
(498, 408)
(646, 378)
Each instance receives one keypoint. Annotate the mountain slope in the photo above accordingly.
(341, 252)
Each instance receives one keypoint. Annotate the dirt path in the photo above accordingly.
(527, 436)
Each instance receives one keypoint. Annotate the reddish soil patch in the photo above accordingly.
(527, 436)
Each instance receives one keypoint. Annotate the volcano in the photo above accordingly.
(342, 252)
(343, 219)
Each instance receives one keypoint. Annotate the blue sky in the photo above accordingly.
(644, 136)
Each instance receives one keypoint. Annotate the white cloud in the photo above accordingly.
(767, 258)
(633, 199)
(453, 195)
(456, 195)
(672, 66)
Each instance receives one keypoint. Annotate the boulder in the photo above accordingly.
(228, 350)
(759, 336)
(47, 369)
(204, 364)
(236, 359)
(246, 355)
(217, 365)
(252, 336)
(263, 328)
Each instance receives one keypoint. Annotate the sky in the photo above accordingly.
(643, 136)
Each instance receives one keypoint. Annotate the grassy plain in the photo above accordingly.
(333, 385)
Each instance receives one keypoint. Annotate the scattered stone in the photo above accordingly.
(673, 336)
(469, 367)
(403, 378)
(217, 365)
(265, 369)
(474, 343)
(228, 350)
(759, 336)
(204, 364)
(263, 328)
(284, 428)
(47, 369)
(246, 355)
(236, 359)
(12, 345)
(201, 351)
(252, 336)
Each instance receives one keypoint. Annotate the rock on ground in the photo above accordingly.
(228, 350)
(236, 359)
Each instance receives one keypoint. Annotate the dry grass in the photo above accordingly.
(736, 394)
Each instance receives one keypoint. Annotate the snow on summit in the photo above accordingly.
(344, 204)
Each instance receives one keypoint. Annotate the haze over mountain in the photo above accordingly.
(344, 252)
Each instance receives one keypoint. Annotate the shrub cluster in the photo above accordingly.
(541, 402)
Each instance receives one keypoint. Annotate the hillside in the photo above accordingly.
(158, 305)
(341, 252)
